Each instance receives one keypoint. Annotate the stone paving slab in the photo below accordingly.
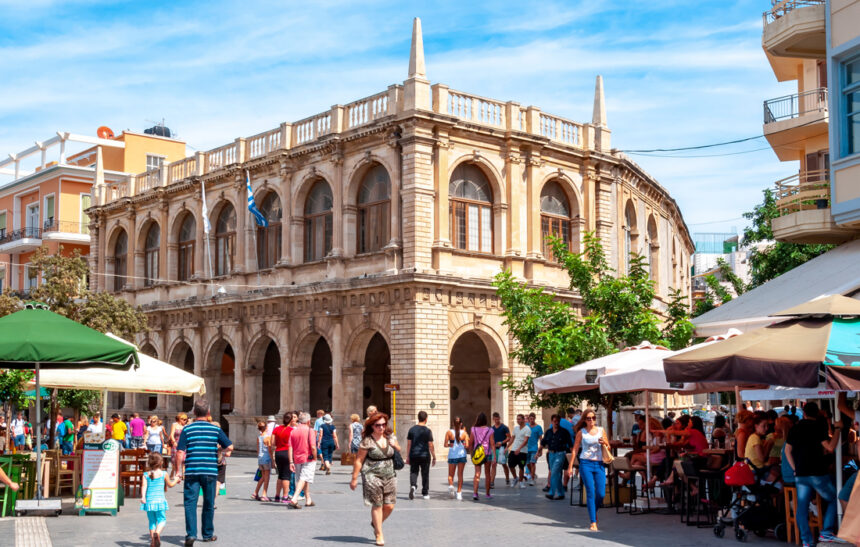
(521, 516)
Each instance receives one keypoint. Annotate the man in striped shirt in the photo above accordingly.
(197, 463)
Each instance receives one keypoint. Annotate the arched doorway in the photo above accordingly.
(470, 378)
(271, 401)
(183, 357)
(320, 392)
(228, 369)
(150, 402)
(377, 373)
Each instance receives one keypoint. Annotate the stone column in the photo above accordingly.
(201, 267)
(396, 216)
(163, 272)
(418, 195)
(519, 208)
(131, 266)
(338, 225)
(240, 255)
(338, 393)
(442, 232)
(297, 233)
(301, 386)
(534, 242)
(240, 401)
(287, 256)
(287, 399)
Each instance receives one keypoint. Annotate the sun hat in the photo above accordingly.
(327, 419)
(270, 419)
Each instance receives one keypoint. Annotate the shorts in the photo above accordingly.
(222, 473)
(305, 471)
(845, 493)
(501, 456)
(265, 462)
(19, 441)
(454, 461)
(282, 459)
(517, 460)
(156, 518)
(532, 456)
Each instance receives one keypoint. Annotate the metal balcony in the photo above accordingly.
(795, 29)
(21, 240)
(62, 230)
(803, 206)
(790, 121)
(796, 105)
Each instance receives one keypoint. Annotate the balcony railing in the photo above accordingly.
(804, 191)
(783, 8)
(66, 227)
(30, 232)
(794, 106)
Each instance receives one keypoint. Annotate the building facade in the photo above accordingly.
(46, 207)
(817, 44)
(387, 219)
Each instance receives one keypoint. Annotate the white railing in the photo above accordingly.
(181, 169)
(364, 111)
(312, 128)
(476, 109)
(561, 130)
(262, 144)
(465, 106)
(221, 157)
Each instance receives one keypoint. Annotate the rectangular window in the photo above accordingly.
(49, 210)
(486, 230)
(86, 201)
(154, 162)
(2, 279)
(31, 280)
(2, 225)
(31, 229)
(473, 227)
(851, 107)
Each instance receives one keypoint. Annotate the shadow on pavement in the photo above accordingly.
(345, 539)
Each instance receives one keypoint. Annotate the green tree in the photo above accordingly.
(715, 291)
(64, 290)
(617, 312)
(778, 257)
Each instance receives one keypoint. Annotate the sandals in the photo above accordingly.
(311, 504)
(264, 498)
(255, 497)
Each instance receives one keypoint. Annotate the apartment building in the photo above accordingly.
(46, 206)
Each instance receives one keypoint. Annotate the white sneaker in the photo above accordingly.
(412, 492)
(427, 497)
(451, 490)
(459, 496)
(531, 483)
(522, 485)
(514, 483)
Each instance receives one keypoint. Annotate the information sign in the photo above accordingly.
(100, 477)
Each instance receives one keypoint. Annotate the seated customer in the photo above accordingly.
(720, 432)
(756, 451)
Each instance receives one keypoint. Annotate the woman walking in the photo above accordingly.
(458, 443)
(375, 462)
(173, 439)
(355, 431)
(589, 444)
(481, 437)
(281, 441)
(328, 442)
(264, 462)
(154, 435)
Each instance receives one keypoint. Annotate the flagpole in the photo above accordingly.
(254, 228)
(206, 230)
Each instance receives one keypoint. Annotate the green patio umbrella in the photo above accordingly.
(35, 338)
(43, 393)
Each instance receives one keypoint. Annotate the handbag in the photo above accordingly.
(740, 474)
(479, 456)
(608, 458)
(398, 461)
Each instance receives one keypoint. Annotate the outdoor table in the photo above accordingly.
(615, 445)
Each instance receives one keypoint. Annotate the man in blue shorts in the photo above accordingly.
(534, 443)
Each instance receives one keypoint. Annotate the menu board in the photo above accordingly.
(100, 476)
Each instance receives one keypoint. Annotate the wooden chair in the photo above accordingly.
(815, 521)
(9, 496)
(131, 468)
(65, 472)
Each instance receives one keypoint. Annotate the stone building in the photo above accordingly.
(387, 219)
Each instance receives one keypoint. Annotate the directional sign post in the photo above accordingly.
(393, 389)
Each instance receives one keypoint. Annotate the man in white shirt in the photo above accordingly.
(97, 429)
(519, 453)
(18, 431)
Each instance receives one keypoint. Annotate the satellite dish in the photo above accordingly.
(104, 132)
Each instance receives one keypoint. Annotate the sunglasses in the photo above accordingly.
(590, 419)
(379, 425)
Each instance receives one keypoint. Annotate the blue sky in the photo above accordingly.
(676, 73)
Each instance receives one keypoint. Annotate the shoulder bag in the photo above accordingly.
(607, 455)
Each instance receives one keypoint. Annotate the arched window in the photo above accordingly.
(225, 240)
(318, 222)
(653, 250)
(120, 261)
(269, 238)
(554, 217)
(187, 236)
(631, 235)
(150, 256)
(373, 210)
(471, 209)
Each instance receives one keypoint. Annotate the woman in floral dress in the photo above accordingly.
(375, 462)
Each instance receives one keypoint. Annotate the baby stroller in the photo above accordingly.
(751, 508)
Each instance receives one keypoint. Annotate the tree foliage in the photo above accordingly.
(776, 258)
(64, 290)
(617, 312)
(715, 292)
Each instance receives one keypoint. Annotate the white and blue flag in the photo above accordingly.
(207, 226)
(252, 205)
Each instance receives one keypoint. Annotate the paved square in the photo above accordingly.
(516, 515)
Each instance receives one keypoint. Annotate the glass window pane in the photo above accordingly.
(852, 102)
(374, 186)
(328, 233)
(852, 144)
(308, 240)
(473, 228)
(319, 198)
(460, 225)
(486, 230)
(553, 200)
(2, 221)
(49, 206)
(469, 182)
(852, 72)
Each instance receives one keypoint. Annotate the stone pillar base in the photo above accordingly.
(243, 431)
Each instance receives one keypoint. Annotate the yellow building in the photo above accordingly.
(816, 44)
(46, 206)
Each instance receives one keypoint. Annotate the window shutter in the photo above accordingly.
(49, 206)
(3, 221)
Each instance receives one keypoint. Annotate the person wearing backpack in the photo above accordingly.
(481, 441)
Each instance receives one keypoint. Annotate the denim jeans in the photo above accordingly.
(806, 489)
(154, 447)
(193, 485)
(292, 484)
(66, 447)
(556, 470)
(594, 479)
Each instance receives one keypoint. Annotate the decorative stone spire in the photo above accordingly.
(416, 53)
(598, 119)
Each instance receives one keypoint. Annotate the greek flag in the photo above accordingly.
(207, 226)
(252, 206)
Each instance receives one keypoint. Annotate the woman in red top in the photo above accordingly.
(281, 436)
(697, 442)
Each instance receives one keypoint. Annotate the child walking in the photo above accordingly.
(152, 498)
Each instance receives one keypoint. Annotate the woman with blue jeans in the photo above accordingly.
(589, 444)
